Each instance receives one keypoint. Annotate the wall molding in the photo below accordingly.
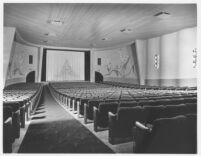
(123, 80)
(15, 80)
(172, 82)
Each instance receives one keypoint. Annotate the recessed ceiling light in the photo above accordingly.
(126, 30)
(93, 44)
(50, 34)
(105, 39)
(55, 22)
(162, 15)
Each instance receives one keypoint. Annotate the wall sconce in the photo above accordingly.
(194, 58)
(156, 61)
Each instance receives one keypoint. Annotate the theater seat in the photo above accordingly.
(168, 135)
(120, 125)
(101, 114)
(7, 130)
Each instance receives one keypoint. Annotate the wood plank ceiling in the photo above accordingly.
(95, 25)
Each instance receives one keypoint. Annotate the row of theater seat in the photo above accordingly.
(121, 123)
(19, 102)
(118, 111)
(100, 113)
(84, 104)
(121, 84)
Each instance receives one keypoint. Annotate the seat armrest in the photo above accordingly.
(111, 114)
(140, 134)
(141, 126)
(95, 117)
(8, 120)
(85, 113)
(112, 127)
(95, 108)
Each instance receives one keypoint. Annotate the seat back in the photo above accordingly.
(173, 135)
(153, 112)
(126, 117)
(128, 104)
(103, 110)
(191, 108)
(7, 112)
(14, 105)
(174, 110)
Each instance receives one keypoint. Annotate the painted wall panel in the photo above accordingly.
(116, 64)
(20, 66)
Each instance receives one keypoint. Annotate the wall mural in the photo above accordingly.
(18, 65)
(124, 68)
(120, 70)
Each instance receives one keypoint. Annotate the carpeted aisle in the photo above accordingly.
(53, 130)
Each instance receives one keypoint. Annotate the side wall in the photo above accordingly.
(175, 52)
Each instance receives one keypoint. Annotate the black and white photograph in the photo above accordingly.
(84, 77)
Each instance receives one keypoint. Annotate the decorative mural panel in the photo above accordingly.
(117, 63)
(19, 62)
(19, 65)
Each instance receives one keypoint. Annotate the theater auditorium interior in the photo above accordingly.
(100, 78)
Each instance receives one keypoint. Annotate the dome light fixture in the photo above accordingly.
(163, 15)
(105, 39)
(55, 22)
(45, 41)
(126, 30)
(50, 34)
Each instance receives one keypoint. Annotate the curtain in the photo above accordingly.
(64, 65)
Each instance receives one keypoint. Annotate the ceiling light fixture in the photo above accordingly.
(50, 34)
(45, 41)
(105, 39)
(55, 22)
(162, 15)
(93, 44)
(126, 30)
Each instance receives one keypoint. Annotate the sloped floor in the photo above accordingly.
(53, 130)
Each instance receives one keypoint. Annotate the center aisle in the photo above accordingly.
(53, 130)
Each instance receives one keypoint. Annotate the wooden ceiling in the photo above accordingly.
(85, 25)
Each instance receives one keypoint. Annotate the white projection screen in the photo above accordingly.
(64, 65)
